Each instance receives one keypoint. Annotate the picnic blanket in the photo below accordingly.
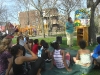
(76, 69)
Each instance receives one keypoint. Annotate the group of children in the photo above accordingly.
(28, 56)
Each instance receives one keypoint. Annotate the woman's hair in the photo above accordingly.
(69, 18)
(15, 49)
(18, 38)
(5, 44)
(6, 41)
(2, 48)
(82, 44)
(42, 42)
(98, 39)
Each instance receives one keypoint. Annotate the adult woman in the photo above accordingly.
(83, 56)
(58, 57)
(18, 61)
(5, 55)
(69, 31)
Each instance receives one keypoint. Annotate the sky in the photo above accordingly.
(10, 6)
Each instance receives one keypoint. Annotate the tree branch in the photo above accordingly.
(96, 3)
(34, 5)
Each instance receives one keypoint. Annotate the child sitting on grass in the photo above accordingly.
(83, 56)
(58, 57)
(44, 52)
(96, 53)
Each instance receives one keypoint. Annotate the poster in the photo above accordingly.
(82, 17)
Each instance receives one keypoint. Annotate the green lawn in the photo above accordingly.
(63, 45)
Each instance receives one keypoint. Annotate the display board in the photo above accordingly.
(82, 17)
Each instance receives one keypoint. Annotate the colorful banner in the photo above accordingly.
(82, 17)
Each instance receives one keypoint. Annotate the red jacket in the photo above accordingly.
(35, 48)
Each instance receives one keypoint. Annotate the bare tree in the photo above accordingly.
(92, 31)
(68, 5)
(40, 5)
(3, 12)
(20, 6)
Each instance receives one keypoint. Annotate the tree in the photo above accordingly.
(40, 5)
(3, 12)
(20, 6)
(68, 5)
(92, 31)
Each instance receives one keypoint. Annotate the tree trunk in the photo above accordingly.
(92, 31)
(42, 24)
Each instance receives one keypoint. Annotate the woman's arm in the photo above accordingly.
(34, 56)
(9, 66)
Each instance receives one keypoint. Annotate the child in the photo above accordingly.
(35, 46)
(29, 44)
(96, 53)
(58, 57)
(83, 56)
(45, 53)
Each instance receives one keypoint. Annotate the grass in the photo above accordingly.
(64, 45)
(64, 42)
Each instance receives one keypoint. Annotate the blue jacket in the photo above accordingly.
(96, 52)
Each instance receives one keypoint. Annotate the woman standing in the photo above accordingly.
(69, 31)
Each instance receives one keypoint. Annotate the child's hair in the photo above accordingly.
(42, 42)
(82, 44)
(39, 47)
(45, 45)
(18, 38)
(98, 39)
(55, 45)
(36, 41)
(15, 49)
(27, 38)
(30, 41)
(52, 44)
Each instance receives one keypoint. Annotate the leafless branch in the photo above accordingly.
(96, 3)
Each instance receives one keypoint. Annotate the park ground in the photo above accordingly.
(64, 46)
